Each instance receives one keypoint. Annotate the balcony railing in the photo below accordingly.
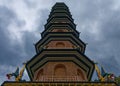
(59, 78)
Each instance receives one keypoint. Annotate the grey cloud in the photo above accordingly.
(110, 64)
(30, 3)
(9, 54)
(30, 37)
(6, 17)
(29, 41)
(12, 55)
(111, 25)
(19, 53)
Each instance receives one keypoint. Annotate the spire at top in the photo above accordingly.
(60, 4)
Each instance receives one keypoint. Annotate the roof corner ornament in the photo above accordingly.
(18, 75)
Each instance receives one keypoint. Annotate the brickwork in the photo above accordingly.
(59, 30)
(59, 84)
(61, 70)
(60, 44)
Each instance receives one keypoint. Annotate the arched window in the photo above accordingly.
(60, 30)
(60, 44)
(39, 74)
(60, 70)
(80, 73)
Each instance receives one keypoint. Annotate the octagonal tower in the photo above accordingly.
(60, 53)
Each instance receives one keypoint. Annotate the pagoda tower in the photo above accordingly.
(60, 53)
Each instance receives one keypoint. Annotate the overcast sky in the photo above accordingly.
(22, 21)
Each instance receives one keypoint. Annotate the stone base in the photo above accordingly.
(28, 83)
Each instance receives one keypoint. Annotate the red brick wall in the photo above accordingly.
(59, 30)
(60, 44)
(60, 69)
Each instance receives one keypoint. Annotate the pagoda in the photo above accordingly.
(60, 55)
(60, 52)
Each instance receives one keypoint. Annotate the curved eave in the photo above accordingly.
(59, 53)
(72, 25)
(54, 26)
(68, 17)
(63, 35)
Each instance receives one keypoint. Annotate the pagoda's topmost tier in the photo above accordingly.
(60, 10)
